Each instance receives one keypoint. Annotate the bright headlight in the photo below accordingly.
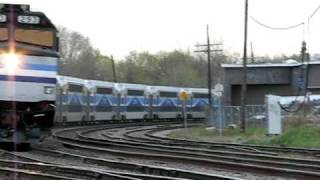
(29, 19)
(10, 62)
(3, 18)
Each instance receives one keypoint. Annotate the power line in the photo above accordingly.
(309, 19)
(314, 12)
(276, 28)
(288, 27)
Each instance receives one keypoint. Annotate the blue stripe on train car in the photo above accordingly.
(200, 102)
(39, 67)
(103, 103)
(114, 100)
(179, 102)
(28, 79)
(135, 101)
(167, 102)
(75, 99)
(102, 100)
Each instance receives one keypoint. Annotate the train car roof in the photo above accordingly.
(98, 83)
(134, 86)
(199, 90)
(67, 80)
(167, 88)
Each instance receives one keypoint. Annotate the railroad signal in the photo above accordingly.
(183, 96)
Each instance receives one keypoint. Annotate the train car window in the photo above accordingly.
(198, 109)
(168, 94)
(104, 108)
(75, 88)
(168, 109)
(135, 109)
(75, 108)
(35, 37)
(104, 90)
(197, 95)
(3, 34)
(135, 93)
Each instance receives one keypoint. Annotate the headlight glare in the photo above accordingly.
(11, 62)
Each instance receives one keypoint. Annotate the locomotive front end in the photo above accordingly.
(28, 69)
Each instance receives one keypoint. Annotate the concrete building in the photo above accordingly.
(262, 79)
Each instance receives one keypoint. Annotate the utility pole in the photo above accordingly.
(208, 48)
(252, 54)
(305, 62)
(305, 74)
(113, 70)
(244, 80)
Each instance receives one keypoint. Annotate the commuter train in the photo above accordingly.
(33, 98)
(28, 68)
(90, 101)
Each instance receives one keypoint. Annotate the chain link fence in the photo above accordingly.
(294, 111)
(230, 115)
(300, 110)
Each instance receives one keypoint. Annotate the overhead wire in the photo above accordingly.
(314, 12)
(304, 89)
(277, 28)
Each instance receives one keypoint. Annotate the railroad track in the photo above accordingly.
(254, 162)
(246, 147)
(148, 134)
(13, 173)
(22, 170)
(58, 171)
(69, 137)
(122, 169)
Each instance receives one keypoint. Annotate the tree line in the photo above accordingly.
(171, 68)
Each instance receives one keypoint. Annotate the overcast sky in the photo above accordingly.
(120, 26)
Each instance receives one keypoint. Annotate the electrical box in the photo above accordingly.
(273, 114)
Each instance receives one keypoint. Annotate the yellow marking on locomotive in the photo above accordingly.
(3, 34)
(37, 37)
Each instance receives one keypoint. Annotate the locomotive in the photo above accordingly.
(29, 56)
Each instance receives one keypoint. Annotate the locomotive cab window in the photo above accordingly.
(31, 32)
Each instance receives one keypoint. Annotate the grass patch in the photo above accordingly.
(303, 136)
(295, 136)
(228, 135)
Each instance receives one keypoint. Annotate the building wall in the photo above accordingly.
(279, 79)
(314, 76)
(266, 75)
(256, 93)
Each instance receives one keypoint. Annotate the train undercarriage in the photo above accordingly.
(22, 123)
